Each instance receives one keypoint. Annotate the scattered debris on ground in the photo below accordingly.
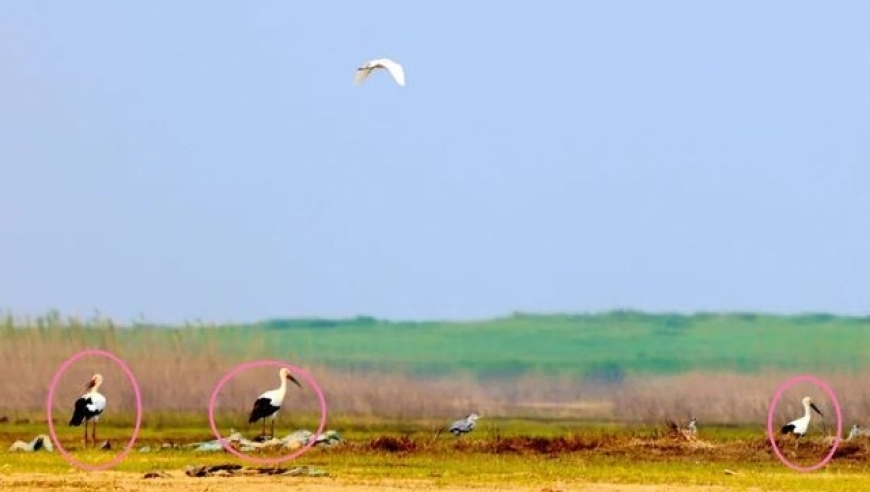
(290, 442)
(392, 444)
(165, 446)
(40, 442)
(157, 474)
(43, 442)
(232, 470)
(210, 470)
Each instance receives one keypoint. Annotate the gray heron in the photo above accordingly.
(857, 431)
(693, 426)
(464, 426)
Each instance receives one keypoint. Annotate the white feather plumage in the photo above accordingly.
(394, 68)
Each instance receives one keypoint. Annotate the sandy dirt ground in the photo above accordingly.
(129, 482)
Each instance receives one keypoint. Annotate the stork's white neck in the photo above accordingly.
(282, 389)
(95, 387)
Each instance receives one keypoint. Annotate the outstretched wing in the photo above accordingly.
(360, 75)
(395, 70)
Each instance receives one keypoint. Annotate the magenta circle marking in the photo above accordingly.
(49, 401)
(260, 363)
(827, 389)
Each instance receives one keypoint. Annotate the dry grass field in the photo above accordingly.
(542, 434)
(601, 458)
(178, 371)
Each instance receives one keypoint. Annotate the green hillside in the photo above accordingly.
(598, 346)
(603, 346)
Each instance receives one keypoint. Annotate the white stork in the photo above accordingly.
(798, 427)
(89, 407)
(391, 66)
(266, 406)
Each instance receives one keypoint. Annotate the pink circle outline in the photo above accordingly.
(827, 389)
(55, 380)
(260, 363)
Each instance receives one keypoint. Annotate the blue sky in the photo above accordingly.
(213, 160)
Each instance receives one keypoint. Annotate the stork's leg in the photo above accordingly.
(264, 427)
(94, 433)
(272, 434)
(86, 433)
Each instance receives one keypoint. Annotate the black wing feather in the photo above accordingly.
(787, 428)
(80, 411)
(262, 409)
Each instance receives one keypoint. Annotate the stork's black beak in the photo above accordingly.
(291, 378)
(814, 407)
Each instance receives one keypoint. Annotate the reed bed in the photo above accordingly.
(177, 370)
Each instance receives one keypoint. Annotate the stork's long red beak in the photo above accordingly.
(91, 384)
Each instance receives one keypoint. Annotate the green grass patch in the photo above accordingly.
(598, 347)
(610, 454)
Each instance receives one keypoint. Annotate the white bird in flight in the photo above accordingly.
(391, 66)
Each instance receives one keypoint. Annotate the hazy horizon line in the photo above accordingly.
(144, 320)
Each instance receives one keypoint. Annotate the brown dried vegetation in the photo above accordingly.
(177, 374)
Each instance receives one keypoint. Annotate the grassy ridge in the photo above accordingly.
(598, 346)
(721, 368)
(603, 346)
